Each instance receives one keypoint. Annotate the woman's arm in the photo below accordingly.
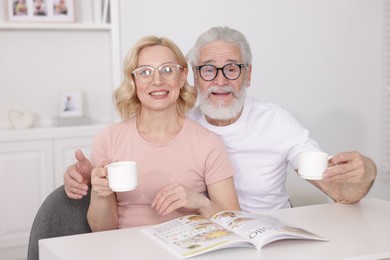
(222, 196)
(103, 212)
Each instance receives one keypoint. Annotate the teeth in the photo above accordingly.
(158, 93)
(221, 92)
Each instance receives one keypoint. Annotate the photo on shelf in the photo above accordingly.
(71, 104)
(40, 10)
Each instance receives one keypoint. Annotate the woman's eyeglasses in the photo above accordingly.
(145, 74)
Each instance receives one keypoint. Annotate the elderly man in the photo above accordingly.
(262, 139)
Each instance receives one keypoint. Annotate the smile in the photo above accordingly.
(159, 93)
(221, 93)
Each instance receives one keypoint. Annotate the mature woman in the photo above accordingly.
(183, 168)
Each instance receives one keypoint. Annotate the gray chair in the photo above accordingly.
(58, 216)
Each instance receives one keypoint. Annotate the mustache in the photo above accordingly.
(221, 90)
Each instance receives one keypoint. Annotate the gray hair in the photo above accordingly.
(224, 34)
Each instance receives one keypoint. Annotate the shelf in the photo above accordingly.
(40, 133)
(55, 26)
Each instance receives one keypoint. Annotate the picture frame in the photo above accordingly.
(71, 104)
(40, 10)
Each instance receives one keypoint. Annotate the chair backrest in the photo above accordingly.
(58, 216)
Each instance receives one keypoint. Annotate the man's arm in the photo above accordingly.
(350, 179)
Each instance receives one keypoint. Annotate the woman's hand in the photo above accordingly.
(100, 183)
(176, 196)
(103, 211)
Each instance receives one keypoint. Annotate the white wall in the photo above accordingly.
(320, 59)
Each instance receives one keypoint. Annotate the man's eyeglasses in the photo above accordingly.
(145, 74)
(209, 72)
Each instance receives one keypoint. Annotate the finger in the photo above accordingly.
(83, 166)
(171, 203)
(74, 187)
(72, 195)
(72, 174)
(345, 157)
(102, 173)
(80, 156)
(160, 198)
(338, 178)
(342, 173)
(336, 170)
(163, 193)
(346, 162)
(176, 197)
(174, 205)
(98, 177)
(104, 163)
(82, 162)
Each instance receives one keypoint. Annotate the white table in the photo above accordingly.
(358, 231)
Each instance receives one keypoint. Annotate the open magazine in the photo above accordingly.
(192, 235)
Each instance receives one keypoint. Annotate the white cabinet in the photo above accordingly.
(32, 163)
(26, 177)
(64, 150)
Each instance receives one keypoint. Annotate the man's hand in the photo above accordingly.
(349, 177)
(351, 167)
(77, 177)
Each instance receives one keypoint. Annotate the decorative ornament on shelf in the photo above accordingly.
(21, 120)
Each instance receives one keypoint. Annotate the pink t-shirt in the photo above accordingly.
(195, 158)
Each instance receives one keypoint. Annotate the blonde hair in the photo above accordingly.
(125, 96)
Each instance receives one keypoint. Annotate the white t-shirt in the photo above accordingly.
(261, 144)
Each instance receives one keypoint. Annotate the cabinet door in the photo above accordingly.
(64, 150)
(26, 179)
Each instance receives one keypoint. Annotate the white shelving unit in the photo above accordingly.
(386, 93)
(35, 159)
(81, 28)
(40, 26)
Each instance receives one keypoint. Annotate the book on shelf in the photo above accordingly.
(193, 235)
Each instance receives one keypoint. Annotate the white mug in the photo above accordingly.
(312, 165)
(122, 176)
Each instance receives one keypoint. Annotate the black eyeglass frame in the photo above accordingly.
(220, 69)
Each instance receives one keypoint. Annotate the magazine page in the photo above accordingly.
(261, 229)
(193, 235)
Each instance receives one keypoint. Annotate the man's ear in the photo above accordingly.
(247, 81)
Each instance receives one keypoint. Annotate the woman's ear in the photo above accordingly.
(183, 78)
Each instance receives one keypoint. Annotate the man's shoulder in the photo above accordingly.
(260, 104)
(255, 107)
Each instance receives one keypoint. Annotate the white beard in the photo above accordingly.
(219, 111)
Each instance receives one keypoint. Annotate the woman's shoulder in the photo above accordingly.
(192, 124)
(196, 129)
(116, 128)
